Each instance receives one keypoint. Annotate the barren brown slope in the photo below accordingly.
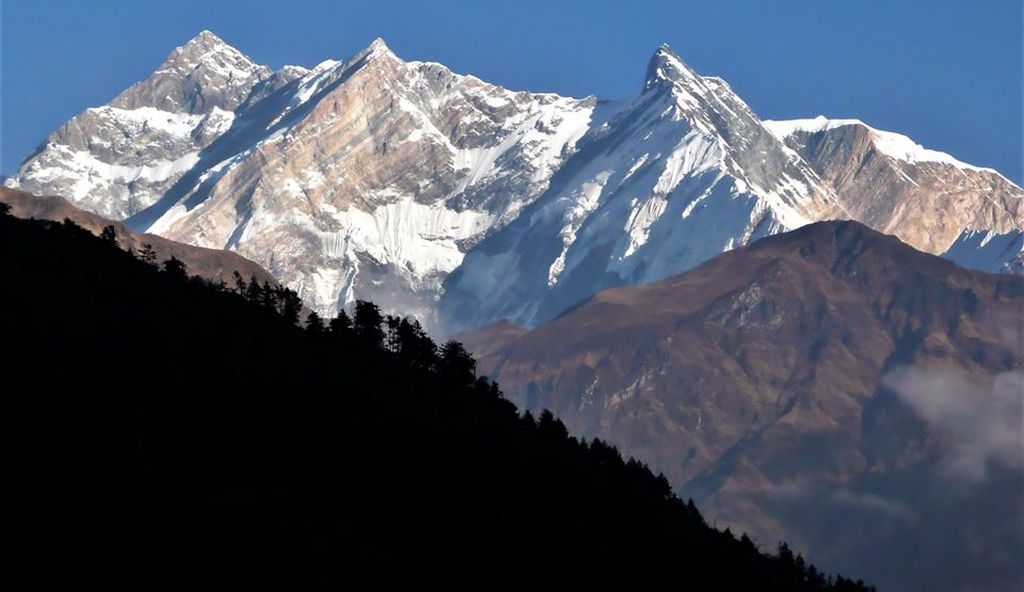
(831, 386)
(208, 263)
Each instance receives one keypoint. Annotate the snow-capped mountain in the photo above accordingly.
(401, 181)
(889, 182)
(118, 159)
(679, 174)
(364, 178)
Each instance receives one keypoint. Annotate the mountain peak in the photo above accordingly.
(206, 47)
(205, 37)
(203, 73)
(378, 44)
(377, 47)
(666, 66)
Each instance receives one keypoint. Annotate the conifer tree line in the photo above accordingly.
(440, 403)
(402, 336)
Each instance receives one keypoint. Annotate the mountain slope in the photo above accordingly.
(678, 175)
(367, 177)
(234, 449)
(831, 386)
(120, 158)
(887, 181)
(211, 264)
(377, 182)
(989, 251)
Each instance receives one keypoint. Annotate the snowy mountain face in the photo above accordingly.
(367, 178)
(120, 158)
(370, 178)
(678, 175)
(427, 190)
(989, 251)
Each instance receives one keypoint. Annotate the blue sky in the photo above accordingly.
(949, 74)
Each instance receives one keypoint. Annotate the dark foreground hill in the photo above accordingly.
(213, 264)
(830, 386)
(167, 433)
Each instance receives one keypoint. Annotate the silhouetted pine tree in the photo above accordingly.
(391, 324)
(456, 363)
(109, 235)
(176, 268)
(341, 325)
(313, 323)
(253, 291)
(289, 304)
(148, 254)
(414, 345)
(747, 544)
(552, 428)
(367, 323)
(786, 555)
(269, 296)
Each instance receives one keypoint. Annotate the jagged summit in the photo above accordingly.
(205, 37)
(203, 74)
(665, 66)
(680, 173)
(207, 48)
(376, 49)
(378, 44)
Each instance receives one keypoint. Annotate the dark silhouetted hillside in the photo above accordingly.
(214, 264)
(168, 433)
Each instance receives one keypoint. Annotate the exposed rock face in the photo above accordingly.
(885, 180)
(374, 177)
(212, 264)
(829, 386)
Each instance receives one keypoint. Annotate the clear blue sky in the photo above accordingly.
(949, 74)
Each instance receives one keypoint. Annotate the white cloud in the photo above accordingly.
(982, 419)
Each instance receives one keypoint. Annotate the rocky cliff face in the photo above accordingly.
(887, 181)
(374, 178)
(827, 380)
